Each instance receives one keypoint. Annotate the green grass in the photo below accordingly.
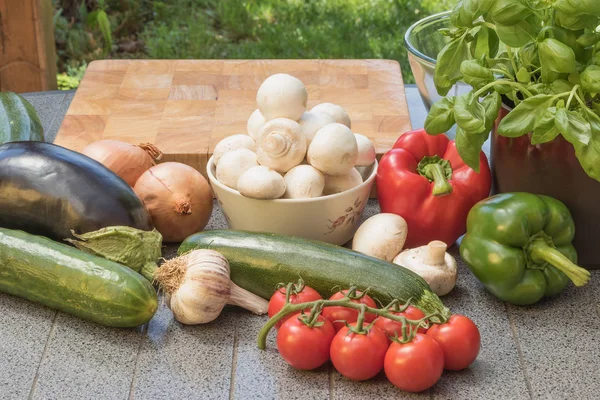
(254, 29)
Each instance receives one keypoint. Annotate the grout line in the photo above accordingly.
(517, 342)
(234, 357)
(136, 369)
(331, 382)
(44, 353)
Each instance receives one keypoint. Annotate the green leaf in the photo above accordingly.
(589, 155)
(440, 118)
(556, 56)
(509, 12)
(578, 7)
(523, 75)
(545, 129)
(469, 147)
(447, 69)
(575, 22)
(590, 79)
(467, 11)
(469, 114)
(491, 103)
(475, 74)
(104, 25)
(588, 39)
(528, 55)
(573, 127)
(485, 43)
(561, 86)
(516, 35)
(521, 119)
(540, 88)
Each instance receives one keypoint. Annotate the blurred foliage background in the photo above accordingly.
(86, 30)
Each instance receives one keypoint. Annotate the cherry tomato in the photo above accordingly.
(339, 313)
(391, 326)
(304, 347)
(359, 356)
(414, 366)
(277, 302)
(460, 341)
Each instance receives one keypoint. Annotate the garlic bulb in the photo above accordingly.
(198, 286)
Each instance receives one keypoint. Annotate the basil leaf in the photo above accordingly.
(561, 86)
(575, 22)
(469, 147)
(491, 103)
(589, 155)
(469, 114)
(540, 88)
(475, 74)
(590, 79)
(573, 127)
(485, 43)
(528, 55)
(556, 56)
(545, 129)
(577, 7)
(467, 11)
(516, 35)
(440, 117)
(447, 69)
(509, 12)
(521, 119)
(523, 75)
(588, 39)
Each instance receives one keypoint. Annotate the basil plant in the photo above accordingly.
(541, 57)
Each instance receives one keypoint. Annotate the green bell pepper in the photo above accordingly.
(519, 246)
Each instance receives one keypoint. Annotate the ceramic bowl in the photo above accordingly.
(332, 219)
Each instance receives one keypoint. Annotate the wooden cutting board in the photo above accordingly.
(185, 107)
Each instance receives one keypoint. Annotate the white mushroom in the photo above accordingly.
(333, 150)
(282, 96)
(261, 183)
(341, 183)
(233, 164)
(311, 122)
(433, 264)
(232, 142)
(337, 112)
(304, 181)
(366, 151)
(255, 123)
(281, 145)
(381, 236)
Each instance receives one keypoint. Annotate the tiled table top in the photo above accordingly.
(547, 351)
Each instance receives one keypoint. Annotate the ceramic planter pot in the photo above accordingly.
(551, 169)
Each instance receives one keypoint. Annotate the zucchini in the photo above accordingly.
(18, 119)
(259, 261)
(66, 279)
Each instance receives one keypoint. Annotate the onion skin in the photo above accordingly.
(177, 197)
(126, 160)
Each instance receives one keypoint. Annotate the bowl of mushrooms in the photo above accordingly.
(296, 172)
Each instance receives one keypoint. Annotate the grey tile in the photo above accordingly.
(50, 134)
(376, 388)
(185, 362)
(87, 361)
(263, 374)
(24, 330)
(47, 106)
(560, 341)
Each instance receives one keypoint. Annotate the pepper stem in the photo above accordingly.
(540, 252)
(438, 171)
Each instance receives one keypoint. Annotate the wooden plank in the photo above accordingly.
(27, 50)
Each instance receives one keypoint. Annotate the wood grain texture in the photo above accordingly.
(186, 107)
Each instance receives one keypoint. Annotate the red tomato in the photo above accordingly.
(338, 313)
(304, 347)
(359, 356)
(460, 341)
(391, 326)
(277, 302)
(414, 366)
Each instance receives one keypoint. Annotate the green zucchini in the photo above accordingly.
(67, 279)
(259, 261)
(18, 119)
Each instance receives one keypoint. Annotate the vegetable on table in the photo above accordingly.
(261, 182)
(64, 278)
(49, 190)
(394, 328)
(333, 110)
(281, 145)
(303, 181)
(255, 124)
(233, 164)
(310, 122)
(340, 316)
(519, 246)
(197, 287)
(134, 248)
(333, 150)
(126, 160)
(459, 340)
(340, 183)
(424, 180)
(18, 119)
(366, 151)
(178, 198)
(304, 343)
(433, 264)
(230, 143)
(381, 236)
(282, 96)
(293, 294)
(260, 261)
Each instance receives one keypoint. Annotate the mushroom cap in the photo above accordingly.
(366, 151)
(333, 150)
(282, 96)
(303, 182)
(281, 145)
(255, 123)
(336, 112)
(233, 164)
(341, 183)
(311, 122)
(381, 236)
(232, 142)
(261, 182)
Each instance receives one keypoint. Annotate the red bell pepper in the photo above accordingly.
(424, 180)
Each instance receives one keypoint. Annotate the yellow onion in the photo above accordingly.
(126, 160)
(178, 198)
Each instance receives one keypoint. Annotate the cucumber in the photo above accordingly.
(18, 119)
(66, 279)
(259, 261)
